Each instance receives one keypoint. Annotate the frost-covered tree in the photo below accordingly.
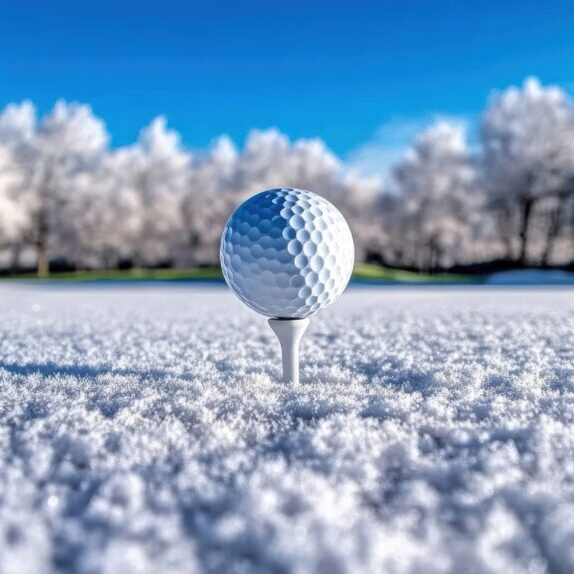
(437, 199)
(67, 196)
(17, 126)
(213, 192)
(151, 178)
(108, 224)
(224, 176)
(270, 159)
(13, 217)
(360, 199)
(528, 156)
(51, 154)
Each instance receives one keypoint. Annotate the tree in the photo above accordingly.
(17, 124)
(51, 154)
(270, 159)
(12, 213)
(438, 199)
(106, 226)
(212, 195)
(528, 157)
(153, 175)
(224, 176)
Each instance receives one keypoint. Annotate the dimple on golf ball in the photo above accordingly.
(287, 253)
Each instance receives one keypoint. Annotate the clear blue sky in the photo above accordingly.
(337, 70)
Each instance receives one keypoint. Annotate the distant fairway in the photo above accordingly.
(363, 272)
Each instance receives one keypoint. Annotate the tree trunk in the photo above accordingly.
(525, 218)
(43, 265)
(503, 217)
(41, 241)
(430, 262)
(15, 258)
(553, 231)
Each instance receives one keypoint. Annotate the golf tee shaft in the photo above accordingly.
(289, 332)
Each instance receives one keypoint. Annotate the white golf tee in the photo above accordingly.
(289, 332)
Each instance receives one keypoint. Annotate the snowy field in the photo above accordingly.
(144, 430)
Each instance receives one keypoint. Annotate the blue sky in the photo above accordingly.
(353, 73)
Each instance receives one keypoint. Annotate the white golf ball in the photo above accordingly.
(287, 253)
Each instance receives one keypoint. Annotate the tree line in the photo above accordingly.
(506, 193)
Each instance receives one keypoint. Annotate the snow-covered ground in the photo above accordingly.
(145, 430)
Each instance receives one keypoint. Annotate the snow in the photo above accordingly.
(145, 430)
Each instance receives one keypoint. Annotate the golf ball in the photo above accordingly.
(287, 253)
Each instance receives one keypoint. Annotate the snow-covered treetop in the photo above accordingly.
(17, 123)
(528, 139)
(442, 139)
(71, 129)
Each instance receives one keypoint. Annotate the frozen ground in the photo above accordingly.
(145, 431)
